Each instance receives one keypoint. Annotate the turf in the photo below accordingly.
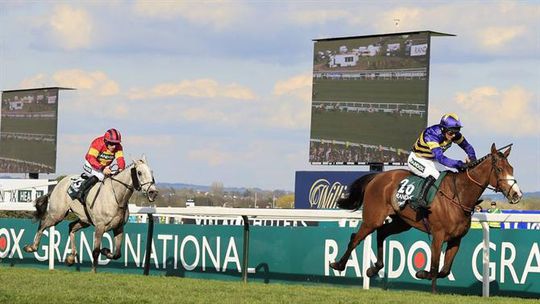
(375, 91)
(390, 130)
(24, 285)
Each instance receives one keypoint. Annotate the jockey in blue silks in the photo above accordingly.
(428, 152)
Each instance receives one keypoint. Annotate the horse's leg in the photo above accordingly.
(365, 230)
(118, 236)
(97, 245)
(73, 228)
(45, 223)
(452, 248)
(436, 246)
(396, 226)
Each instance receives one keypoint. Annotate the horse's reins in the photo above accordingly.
(136, 184)
(128, 186)
(458, 203)
(453, 200)
(497, 188)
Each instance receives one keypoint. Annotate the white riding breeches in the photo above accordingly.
(423, 167)
(89, 171)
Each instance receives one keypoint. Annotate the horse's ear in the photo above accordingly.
(507, 152)
(144, 158)
(133, 160)
(493, 149)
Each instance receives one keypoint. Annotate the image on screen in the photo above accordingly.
(28, 131)
(369, 98)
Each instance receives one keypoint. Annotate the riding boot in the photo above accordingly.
(86, 185)
(422, 197)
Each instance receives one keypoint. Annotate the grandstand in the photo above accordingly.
(28, 136)
(367, 107)
(403, 74)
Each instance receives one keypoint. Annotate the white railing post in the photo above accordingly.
(52, 232)
(366, 263)
(485, 259)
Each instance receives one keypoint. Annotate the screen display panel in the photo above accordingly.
(28, 128)
(369, 98)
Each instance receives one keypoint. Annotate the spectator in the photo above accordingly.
(494, 209)
(477, 225)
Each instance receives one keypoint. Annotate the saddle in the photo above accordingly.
(408, 190)
(75, 185)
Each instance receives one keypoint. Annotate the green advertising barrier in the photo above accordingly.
(290, 254)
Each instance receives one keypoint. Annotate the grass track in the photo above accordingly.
(29, 150)
(25, 285)
(402, 91)
(374, 128)
(29, 125)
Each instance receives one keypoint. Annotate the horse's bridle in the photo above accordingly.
(498, 171)
(136, 183)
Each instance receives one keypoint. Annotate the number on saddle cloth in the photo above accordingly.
(75, 185)
(409, 189)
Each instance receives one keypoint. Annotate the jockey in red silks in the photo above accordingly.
(428, 150)
(102, 152)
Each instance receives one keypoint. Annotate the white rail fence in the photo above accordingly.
(295, 214)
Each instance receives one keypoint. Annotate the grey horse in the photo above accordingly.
(106, 208)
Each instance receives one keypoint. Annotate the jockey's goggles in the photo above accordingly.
(452, 131)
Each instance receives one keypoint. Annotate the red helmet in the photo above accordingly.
(113, 136)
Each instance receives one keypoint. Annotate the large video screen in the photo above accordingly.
(28, 131)
(369, 98)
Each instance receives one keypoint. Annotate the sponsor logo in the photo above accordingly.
(10, 243)
(419, 49)
(405, 190)
(325, 195)
(168, 250)
(399, 260)
(502, 266)
(402, 262)
(417, 165)
(220, 221)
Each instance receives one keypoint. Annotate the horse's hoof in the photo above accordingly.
(422, 274)
(29, 248)
(106, 252)
(372, 271)
(70, 260)
(336, 266)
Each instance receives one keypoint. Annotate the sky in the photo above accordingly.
(220, 91)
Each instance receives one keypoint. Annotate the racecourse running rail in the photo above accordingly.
(296, 214)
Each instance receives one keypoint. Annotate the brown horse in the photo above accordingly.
(449, 216)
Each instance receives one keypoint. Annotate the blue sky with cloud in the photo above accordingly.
(220, 90)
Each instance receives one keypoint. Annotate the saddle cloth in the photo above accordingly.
(409, 189)
(75, 185)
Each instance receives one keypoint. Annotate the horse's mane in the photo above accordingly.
(125, 169)
(478, 161)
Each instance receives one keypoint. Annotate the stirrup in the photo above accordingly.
(402, 205)
(423, 204)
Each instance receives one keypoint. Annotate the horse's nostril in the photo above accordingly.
(152, 195)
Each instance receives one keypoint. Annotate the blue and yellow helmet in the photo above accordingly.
(451, 122)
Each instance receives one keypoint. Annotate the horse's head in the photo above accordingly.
(143, 179)
(502, 175)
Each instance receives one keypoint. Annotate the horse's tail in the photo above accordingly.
(41, 206)
(356, 193)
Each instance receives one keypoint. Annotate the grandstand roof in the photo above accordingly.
(432, 33)
(46, 88)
